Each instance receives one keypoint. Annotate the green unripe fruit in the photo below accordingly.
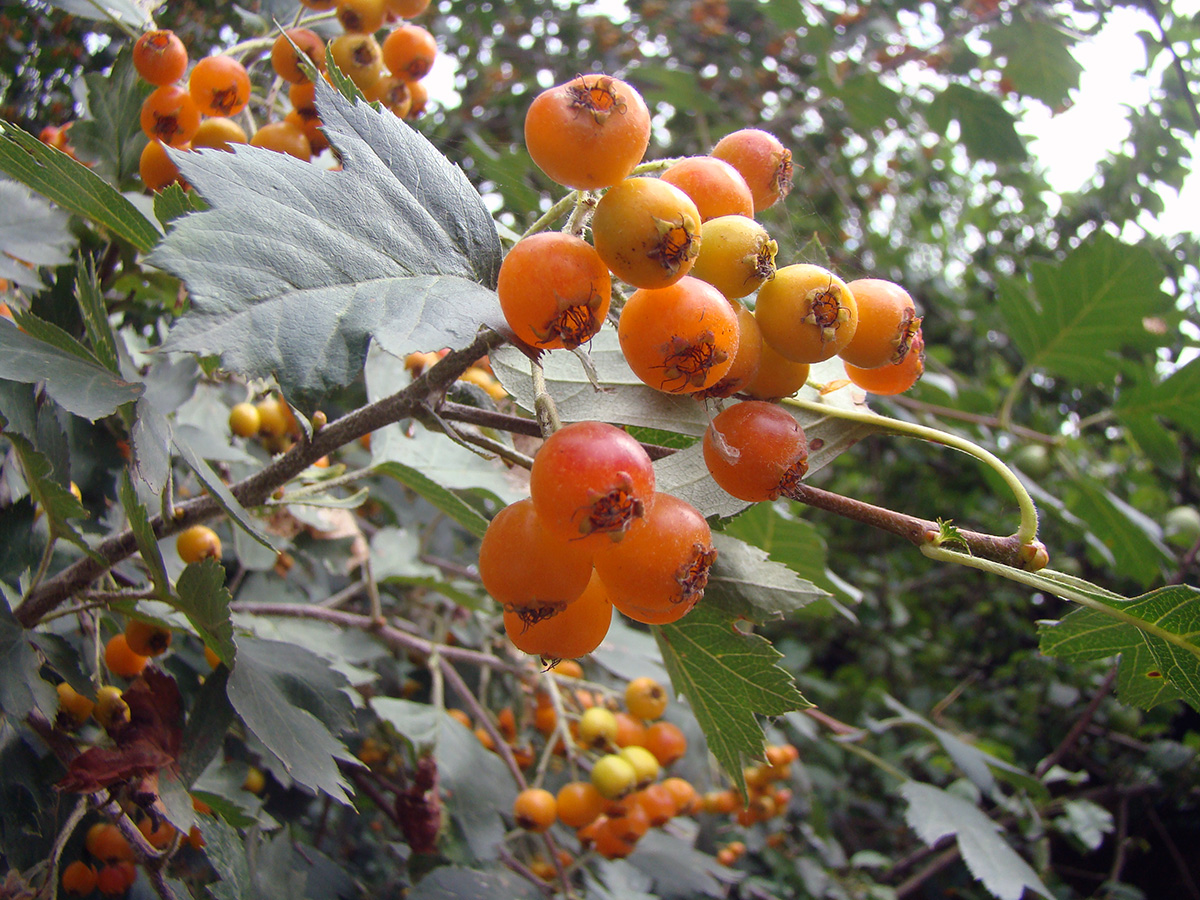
(613, 776)
(1181, 526)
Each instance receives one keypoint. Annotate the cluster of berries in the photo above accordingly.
(688, 244)
(218, 88)
(594, 534)
(628, 752)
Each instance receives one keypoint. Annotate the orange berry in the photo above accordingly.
(105, 842)
(121, 659)
(146, 638)
(535, 809)
(579, 803)
(219, 133)
(666, 742)
(409, 51)
(170, 115)
(79, 878)
(160, 57)
(220, 86)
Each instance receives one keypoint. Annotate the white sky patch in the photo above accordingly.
(1069, 145)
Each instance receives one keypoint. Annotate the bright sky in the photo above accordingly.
(1071, 143)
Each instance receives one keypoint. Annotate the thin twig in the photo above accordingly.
(1080, 725)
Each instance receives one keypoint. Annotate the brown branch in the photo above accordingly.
(388, 633)
(1080, 725)
(255, 489)
(912, 885)
(1006, 550)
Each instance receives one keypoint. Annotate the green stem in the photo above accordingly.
(558, 209)
(1010, 399)
(1041, 583)
(875, 760)
(1026, 532)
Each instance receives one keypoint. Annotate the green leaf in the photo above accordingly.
(291, 699)
(295, 268)
(72, 186)
(455, 882)
(868, 101)
(1083, 311)
(143, 533)
(438, 496)
(173, 201)
(1157, 636)
(208, 720)
(786, 539)
(222, 494)
(226, 851)
(978, 765)
(56, 501)
(745, 584)
(934, 814)
(21, 686)
(31, 230)
(986, 129)
(1176, 399)
(727, 677)
(85, 388)
(1085, 821)
(128, 12)
(111, 134)
(95, 316)
(1130, 537)
(205, 600)
(1038, 63)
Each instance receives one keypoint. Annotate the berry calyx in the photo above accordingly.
(806, 313)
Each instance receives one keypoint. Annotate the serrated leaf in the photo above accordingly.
(295, 268)
(18, 408)
(1157, 636)
(786, 539)
(95, 316)
(205, 600)
(1130, 537)
(978, 765)
(209, 718)
(21, 686)
(418, 723)
(135, 13)
(151, 435)
(934, 814)
(226, 851)
(85, 388)
(72, 186)
(746, 584)
(728, 678)
(1078, 315)
(446, 501)
(1176, 399)
(56, 501)
(986, 129)
(290, 699)
(1039, 62)
(173, 201)
(1086, 821)
(31, 230)
(143, 533)
(222, 494)
(679, 870)
(111, 134)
